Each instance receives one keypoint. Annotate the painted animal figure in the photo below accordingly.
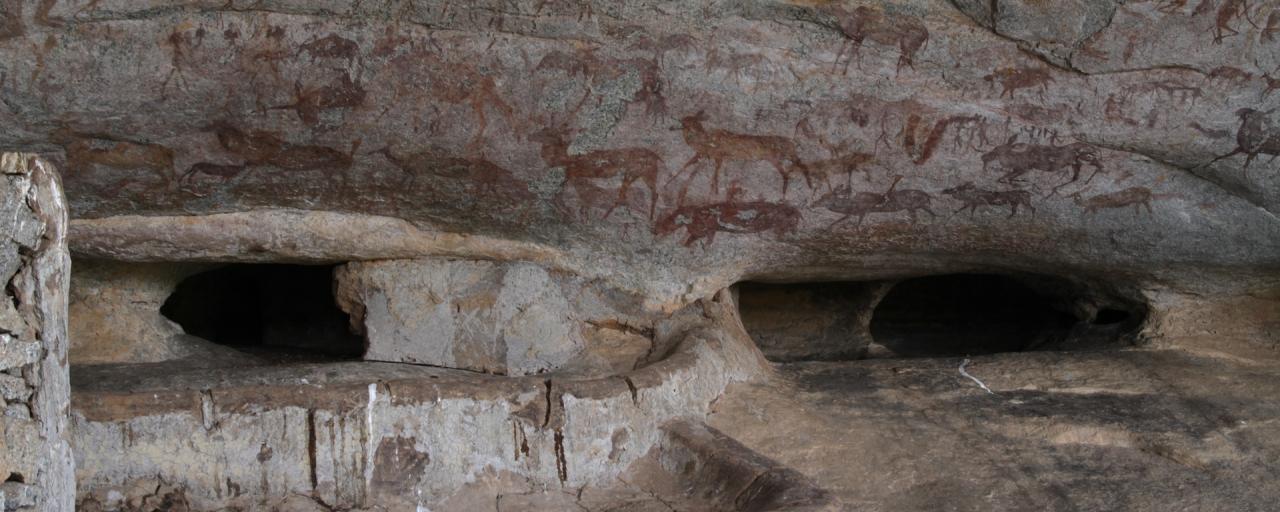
(720, 146)
(84, 153)
(860, 204)
(584, 63)
(264, 148)
(841, 164)
(1136, 197)
(480, 173)
(1020, 158)
(909, 34)
(223, 172)
(631, 164)
(1257, 135)
(973, 197)
(454, 83)
(909, 200)
(702, 222)
(310, 103)
(1012, 79)
(1230, 11)
(1229, 74)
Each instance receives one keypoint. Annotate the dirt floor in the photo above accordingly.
(1130, 430)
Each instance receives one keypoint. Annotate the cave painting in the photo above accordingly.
(973, 198)
(850, 204)
(265, 148)
(453, 83)
(585, 64)
(1137, 197)
(842, 161)
(1012, 79)
(905, 32)
(1019, 158)
(1257, 135)
(1230, 11)
(702, 222)
(482, 175)
(309, 102)
(720, 146)
(631, 164)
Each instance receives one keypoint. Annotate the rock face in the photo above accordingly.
(115, 313)
(647, 142)
(510, 319)
(531, 194)
(810, 323)
(35, 455)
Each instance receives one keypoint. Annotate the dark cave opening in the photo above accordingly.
(934, 316)
(965, 315)
(265, 308)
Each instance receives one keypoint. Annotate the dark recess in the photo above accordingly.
(950, 315)
(265, 308)
(965, 314)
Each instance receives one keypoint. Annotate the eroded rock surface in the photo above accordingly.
(551, 193)
(653, 141)
(512, 319)
(35, 455)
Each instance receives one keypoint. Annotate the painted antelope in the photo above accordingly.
(1229, 12)
(424, 71)
(631, 164)
(224, 173)
(842, 161)
(477, 172)
(720, 146)
(1019, 158)
(1257, 135)
(1137, 197)
(908, 33)
(265, 148)
(973, 197)
(702, 222)
(862, 203)
(1012, 79)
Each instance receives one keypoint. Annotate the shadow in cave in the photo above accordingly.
(935, 316)
(285, 312)
(964, 314)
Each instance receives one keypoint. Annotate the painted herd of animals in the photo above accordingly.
(815, 175)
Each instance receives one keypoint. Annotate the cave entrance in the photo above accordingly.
(965, 314)
(266, 309)
(935, 316)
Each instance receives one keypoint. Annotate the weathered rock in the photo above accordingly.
(797, 323)
(519, 186)
(36, 469)
(361, 434)
(505, 318)
(115, 313)
(1127, 128)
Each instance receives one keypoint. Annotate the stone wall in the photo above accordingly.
(35, 458)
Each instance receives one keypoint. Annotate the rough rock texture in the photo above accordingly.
(115, 314)
(810, 323)
(653, 141)
(506, 318)
(653, 152)
(398, 436)
(1132, 430)
(35, 458)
